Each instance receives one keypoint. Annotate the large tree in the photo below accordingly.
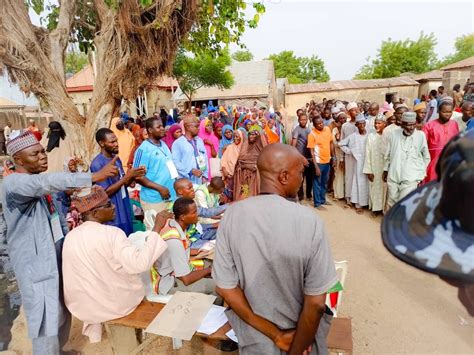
(195, 72)
(242, 56)
(299, 69)
(134, 41)
(464, 46)
(397, 57)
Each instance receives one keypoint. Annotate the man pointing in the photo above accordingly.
(35, 234)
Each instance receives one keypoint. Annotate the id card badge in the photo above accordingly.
(172, 169)
(56, 228)
(201, 162)
(123, 192)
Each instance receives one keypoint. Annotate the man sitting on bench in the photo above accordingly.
(175, 272)
(101, 267)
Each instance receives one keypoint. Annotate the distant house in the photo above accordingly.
(377, 90)
(458, 73)
(253, 81)
(81, 86)
(19, 115)
(429, 81)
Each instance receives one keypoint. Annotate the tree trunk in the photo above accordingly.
(131, 53)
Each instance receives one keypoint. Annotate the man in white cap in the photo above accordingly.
(35, 234)
(357, 185)
(406, 159)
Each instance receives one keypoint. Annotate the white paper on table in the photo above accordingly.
(182, 315)
(213, 320)
(231, 335)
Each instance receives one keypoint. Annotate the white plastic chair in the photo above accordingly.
(341, 267)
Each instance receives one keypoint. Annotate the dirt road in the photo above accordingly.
(395, 308)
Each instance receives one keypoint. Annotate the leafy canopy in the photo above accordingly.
(464, 46)
(242, 56)
(299, 69)
(75, 61)
(219, 23)
(397, 57)
(194, 72)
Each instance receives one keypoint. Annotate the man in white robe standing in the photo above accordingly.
(349, 162)
(354, 146)
(406, 159)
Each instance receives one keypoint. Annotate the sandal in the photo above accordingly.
(359, 210)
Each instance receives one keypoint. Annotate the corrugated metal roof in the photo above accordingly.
(251, 79)
(350, 85)
(465, 63)
(431, 75)
(83, 80)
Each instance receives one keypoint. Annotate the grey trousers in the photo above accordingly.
(52, 345)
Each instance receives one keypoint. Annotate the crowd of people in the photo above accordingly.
(186, 182)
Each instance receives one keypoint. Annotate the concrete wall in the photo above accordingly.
(426, 87)
(156, 99)
(296, 101)
(452, 77)
(82, 100)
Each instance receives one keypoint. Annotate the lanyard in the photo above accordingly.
(193, 144)
(159, 148)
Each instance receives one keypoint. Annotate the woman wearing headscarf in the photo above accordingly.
(140, 136)
(211, 143)
(58, 147)
(125, 139)
(229, 160)
(246, 177)
(174, 132)
(272, 136)
(227, 139)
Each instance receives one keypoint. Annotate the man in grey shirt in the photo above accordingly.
(35, 234)
(273, 264)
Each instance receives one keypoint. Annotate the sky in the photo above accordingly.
(341, 32)
(345, 33)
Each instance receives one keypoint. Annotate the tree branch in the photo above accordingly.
(59, 37)
(102, 10)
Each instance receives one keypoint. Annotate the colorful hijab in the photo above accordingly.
(169, 138)
(211, 137)
(231, 154)
(224, 141)
(272, 137)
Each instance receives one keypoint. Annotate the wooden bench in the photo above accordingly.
(123, 337)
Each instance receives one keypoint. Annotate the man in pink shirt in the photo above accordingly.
(101, 267)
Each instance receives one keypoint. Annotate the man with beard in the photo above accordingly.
(116, 187)
(406, 159)
(35, 234)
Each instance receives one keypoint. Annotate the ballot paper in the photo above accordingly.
(182, 315)
(231, 335)
(213, 320)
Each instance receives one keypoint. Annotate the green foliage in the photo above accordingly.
(464, 49)
(194, 72)
(397, 57)
(242, 56)
(220, 22)
(75, 61)
(299, 69)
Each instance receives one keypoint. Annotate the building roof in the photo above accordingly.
(350, 85)
(431, 75)
(83, 80)
(465, 63)
(7, 102)
(251, 79)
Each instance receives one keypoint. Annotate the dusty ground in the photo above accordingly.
(395, 308)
